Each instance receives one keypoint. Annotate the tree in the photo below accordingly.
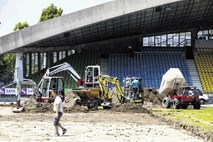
(50, 12)
(20, 25)
(7, 61)
(3, 66)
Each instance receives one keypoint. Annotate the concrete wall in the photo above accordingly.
(75, 20)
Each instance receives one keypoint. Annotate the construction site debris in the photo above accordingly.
(130, 107)
(33, 106)
(151, 95)
(69, 104)
(152, 99)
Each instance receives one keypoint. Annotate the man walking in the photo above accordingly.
(58, 110)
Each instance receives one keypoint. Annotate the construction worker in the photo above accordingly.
(135, 87)
(58, 110)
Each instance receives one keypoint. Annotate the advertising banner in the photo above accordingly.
(12, 91)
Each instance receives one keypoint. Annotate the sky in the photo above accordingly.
(14, 11)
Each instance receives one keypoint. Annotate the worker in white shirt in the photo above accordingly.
(58, 110)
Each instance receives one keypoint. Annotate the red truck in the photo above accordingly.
(182, 98)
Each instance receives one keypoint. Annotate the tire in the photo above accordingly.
(166, 102)
(176, 103)
(93, 104)
(197, 105)
(202, 101)
(78, 102)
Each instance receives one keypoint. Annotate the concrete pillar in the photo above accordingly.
(39, 61)
(49, 59)
(30, 64)
(24, 65)
(57, 56)
(18, 74)
(66, 53)
(193, 37)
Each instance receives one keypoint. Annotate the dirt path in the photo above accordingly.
(101, 126)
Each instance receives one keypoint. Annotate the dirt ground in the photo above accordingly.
(100, 125)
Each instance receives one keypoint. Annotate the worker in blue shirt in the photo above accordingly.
(135, 87)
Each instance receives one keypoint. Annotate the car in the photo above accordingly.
(202, 97)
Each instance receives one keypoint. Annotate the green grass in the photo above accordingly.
(202, 118)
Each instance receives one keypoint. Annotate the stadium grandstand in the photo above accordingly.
(126, 38)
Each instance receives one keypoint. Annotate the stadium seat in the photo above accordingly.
(204, 63)
(150, 65)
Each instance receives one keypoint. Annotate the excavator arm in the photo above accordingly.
(48, 80)
(63, 67)
(104, 81)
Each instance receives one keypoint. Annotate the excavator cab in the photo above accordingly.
(133, 94)
(91, 76)
(47, 84)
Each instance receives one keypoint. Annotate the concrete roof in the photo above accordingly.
(116, 19)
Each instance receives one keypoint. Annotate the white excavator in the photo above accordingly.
(49, 81)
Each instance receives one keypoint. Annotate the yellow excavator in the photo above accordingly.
(102, 95)
(104, 84)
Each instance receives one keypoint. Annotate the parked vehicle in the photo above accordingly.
(204, 98)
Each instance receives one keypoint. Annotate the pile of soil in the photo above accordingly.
(70, 106)
(152, 99)
(69, 102)
(151, 95)
(33, 106)
(76, 108)
(130, 107)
